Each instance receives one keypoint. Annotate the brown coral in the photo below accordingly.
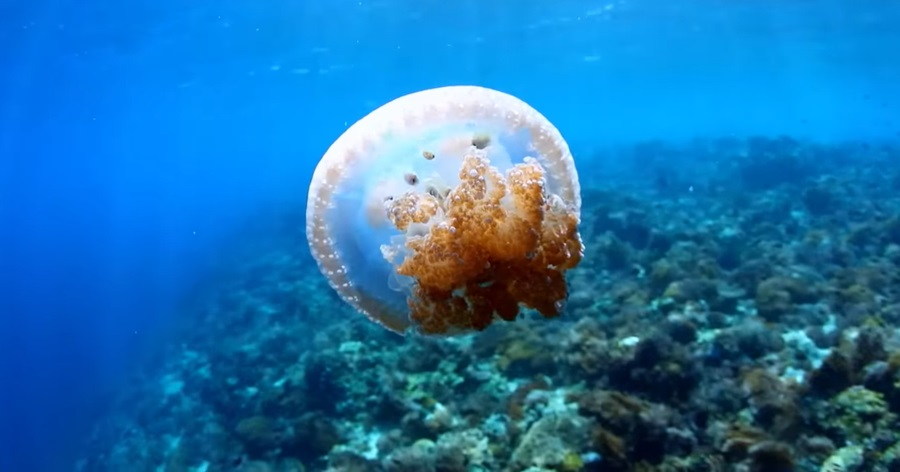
(500, 241)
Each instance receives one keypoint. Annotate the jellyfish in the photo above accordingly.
(446, 210)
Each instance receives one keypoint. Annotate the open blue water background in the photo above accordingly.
(135, 135)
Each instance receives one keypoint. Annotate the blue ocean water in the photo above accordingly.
(136, 136)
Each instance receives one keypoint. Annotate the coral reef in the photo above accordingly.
(747, 324)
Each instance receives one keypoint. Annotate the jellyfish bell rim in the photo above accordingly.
(409, 113)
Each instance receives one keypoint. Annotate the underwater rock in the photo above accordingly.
(585, 350)
(728, 298)
(752, 339)
(255, 466)
(772, 402)
(629, 226)
(632, 429)
(884, 377)
(581, 296)
(819, 447)
(420, 457)
(772, 300)
(857, 296)
(681, 330)
(751, 273)
(776, 296)
(857, 416)
(835, 374)
(323, 383)
(258, 433)
(890, 459)
(446, 209)
(696, 290)
(891, 314)
(346, 461)
(656, 360)
(868, 347)
(730, 245)
(820, 199)
(518, 401)
(846, 459)
(771, 456)
(312, 436)
(892, 230)
(462, 451)
(423, 353)
(770, 162)
(717, 395)
(664, 272)
(550, 442)
(523, 354)
(615, 254)
(735, 440)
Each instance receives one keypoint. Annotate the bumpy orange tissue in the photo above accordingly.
(503, 242)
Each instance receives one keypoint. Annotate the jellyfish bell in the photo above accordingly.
(445, 210)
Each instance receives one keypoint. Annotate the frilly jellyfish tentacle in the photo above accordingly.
(446, 209)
